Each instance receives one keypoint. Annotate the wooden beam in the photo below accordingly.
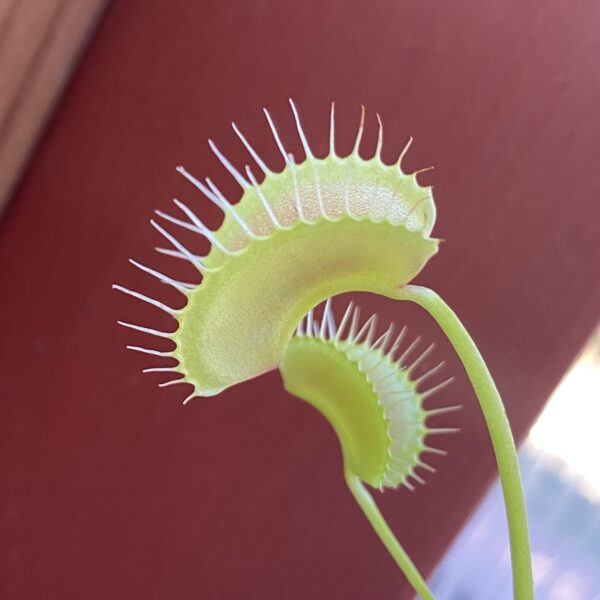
(40, 42)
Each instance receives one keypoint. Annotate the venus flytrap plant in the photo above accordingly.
(366, 388)
(315, 229)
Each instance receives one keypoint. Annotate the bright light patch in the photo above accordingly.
(567, 431)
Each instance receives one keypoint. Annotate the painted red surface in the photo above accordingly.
(112, 489)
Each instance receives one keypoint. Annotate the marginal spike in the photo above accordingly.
(408, 486)
(332, 130)
(200, 186)
(155, 332)
(160, 370)
(410, 348)
(227, 164)
(309, 155)
(437, 388)
(152, 301)
(191, 257)
(436, 451)
(443, 430)
(379, 138)
(426, 466)
(423, 170)
(150, 351)
(444, 410)
(361, 128)
(316, 328)
(417, 477)
(421, 358)
(184, 288)
(404, 152)
(300, 328)
(175, 221)
(276, 136)
(354, 325)
(292, 164)
(259, 161)
(230, 209)
(397, 342)
(192, 395)
(369, 327)
(181, 255)
(309, 323)
(383, 340)
(325, 319)
(265, 202)
(344, 320)
(173, 382)
(202, 228)
(331, 327)
(430, 373)
(301, 133)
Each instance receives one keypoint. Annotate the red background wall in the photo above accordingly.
(112, 489)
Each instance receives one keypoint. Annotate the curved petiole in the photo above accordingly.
(374, 516)
(498, 427)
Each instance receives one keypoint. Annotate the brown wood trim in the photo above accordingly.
(40, 41)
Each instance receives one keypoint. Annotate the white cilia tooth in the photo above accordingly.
(430, 373)
(155, 332)
(257, 159)
(192, 258)
(410, 348)
(266, 204)
(184, 288)
(379, 138)
(369, 328)
(382, 340)
(297, 197)
(152, 301)
(173, 382)
(421, 358)
(179, 222)
(326, 319)
(200, 186)
(202, 228)
(344, 320)
(404, 152)
(397, 342)
(227, 206)
(443, 430)
(309, 323)
(354, 325)
(310, 157)
(227, 164)
(437, 388)
(192, 395)
(332, 130)
(361, 129)
(275, 133)
(182, 256)
(443, 410)
(301, 133)
(150, 351)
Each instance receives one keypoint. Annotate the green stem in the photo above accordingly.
(499, 429)
(373, 514)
